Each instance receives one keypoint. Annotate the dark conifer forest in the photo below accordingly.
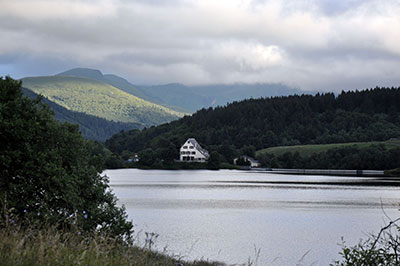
(254, 124)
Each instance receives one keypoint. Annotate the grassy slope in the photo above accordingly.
(99, 99)
(308, 150)
(54, 247)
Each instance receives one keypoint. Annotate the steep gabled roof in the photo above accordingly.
(198, 147)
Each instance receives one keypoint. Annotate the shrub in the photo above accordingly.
(46, 171)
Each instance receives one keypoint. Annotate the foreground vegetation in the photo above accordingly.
(52, 246)
(380, 249)
(48, 170)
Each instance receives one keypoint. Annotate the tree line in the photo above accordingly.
(253, 124)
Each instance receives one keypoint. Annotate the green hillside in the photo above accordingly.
(113, 80)
(99, 99)
(91, 127)
(124, 85)
(309, 150)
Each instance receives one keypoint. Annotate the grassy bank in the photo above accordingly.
(309, 150)
(54, 247)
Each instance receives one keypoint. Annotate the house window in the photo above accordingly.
(191, 147)
(185, 147)
(193, 152)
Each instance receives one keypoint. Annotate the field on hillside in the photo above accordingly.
(99, 99)
(308, 150)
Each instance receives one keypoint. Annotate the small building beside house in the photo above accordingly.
(251, 161)
(133, 159)
(191, 151)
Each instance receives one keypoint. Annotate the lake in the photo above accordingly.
(233, 216)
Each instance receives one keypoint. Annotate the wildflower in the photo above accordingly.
(38, 213)
(83, 212)
(25, 211)
(85, 216)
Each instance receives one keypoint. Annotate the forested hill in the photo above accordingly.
(99, 99)
(260, 123)
(92, 127)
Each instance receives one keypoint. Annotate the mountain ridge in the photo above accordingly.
(183, 98)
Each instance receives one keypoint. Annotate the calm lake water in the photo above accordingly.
(227, 215)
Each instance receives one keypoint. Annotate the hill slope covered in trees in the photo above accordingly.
(249, 125)
(99, 99)
(92, 127)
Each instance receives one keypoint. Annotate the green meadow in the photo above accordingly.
(309, 150)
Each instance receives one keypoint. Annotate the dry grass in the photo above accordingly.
(51, 246)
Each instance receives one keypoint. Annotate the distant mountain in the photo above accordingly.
(184, 98)
(176, 94)
(100, 99)
(110, 79)
(228, 93)
(146, 93)
(194, 98)
(92, 127)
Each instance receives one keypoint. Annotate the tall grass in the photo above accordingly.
(52, 246)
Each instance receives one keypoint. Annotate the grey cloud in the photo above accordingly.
(312, 44)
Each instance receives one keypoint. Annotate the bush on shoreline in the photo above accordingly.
(48, 174)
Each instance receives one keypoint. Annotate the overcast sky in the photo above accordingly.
(323, 45)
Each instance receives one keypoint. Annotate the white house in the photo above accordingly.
(191, 151)
(253, 162)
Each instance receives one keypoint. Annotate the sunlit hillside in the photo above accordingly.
(99, 99)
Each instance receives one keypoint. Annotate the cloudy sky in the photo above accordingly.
(311, 44)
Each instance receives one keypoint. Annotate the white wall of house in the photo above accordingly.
(191, 151)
